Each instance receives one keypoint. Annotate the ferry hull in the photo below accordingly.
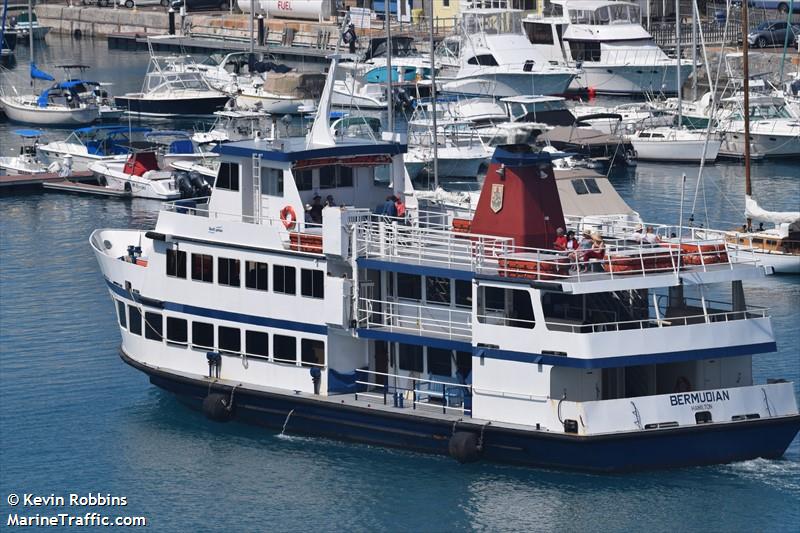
(703, 444)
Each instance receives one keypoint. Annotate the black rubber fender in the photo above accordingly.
(216, 408)
(463, 447)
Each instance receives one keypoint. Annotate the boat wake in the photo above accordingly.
(779, 473)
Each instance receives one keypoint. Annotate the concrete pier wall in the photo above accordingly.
(94, 21)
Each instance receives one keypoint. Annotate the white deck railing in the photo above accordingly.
(415, 318)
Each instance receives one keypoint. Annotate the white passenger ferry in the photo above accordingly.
(468, 336)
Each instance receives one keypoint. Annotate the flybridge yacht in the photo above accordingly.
(473, 338)
(605, 37)
(491, 57)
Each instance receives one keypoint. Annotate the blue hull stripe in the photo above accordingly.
(248, 149)
(229, 316)
(416, 340)
(625, 360)
(420, 270)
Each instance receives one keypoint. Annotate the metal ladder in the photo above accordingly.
(257, 188)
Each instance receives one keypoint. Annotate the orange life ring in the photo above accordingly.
(288, 217)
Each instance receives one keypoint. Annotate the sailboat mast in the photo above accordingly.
(678, 59)
(433, 106)
(30, 27)
(746, 85)
(389, 90)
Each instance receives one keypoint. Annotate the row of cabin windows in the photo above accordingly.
(229, 339)
(436, 361)
(437, 289)
(256, 274)
(330, 177)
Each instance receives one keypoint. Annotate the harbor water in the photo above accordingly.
(75, 419)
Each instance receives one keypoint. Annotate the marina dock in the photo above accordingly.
(84, 188)
(36, 180)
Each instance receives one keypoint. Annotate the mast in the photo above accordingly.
(252, 19)
(694, 53)
(433, 107)
(746, 85)
(678, 59)
(389, 91)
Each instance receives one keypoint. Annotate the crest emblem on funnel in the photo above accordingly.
(497, 197)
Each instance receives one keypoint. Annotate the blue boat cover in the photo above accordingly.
(344, 382)
(28, 134)
(167, 133)
(42, 100)
(40, 75)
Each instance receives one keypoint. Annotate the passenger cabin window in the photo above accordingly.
(257, 343)
(303, 179)
(177, 330)
(135, 320)
(228, 177)
(463, 293)
(539, 33)
(585, 50)
(335, 176)
(485, 60)
(230, 339)
(229, 272)
(203, 335)
(505, 307)
(312, 352)
(121, 313)
(439, 362)
(284, 349)
(153, 326)
(437, 290)
(203, 268)
(409, 286)
(284, 279)
(312, 283)
(176, 263)
(410, 357)
(256, 275)
(272, 181)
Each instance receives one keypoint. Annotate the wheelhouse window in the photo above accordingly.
(256, 275)
(203, 335)
(410, 357)
(312, 283)
(203, 268)
(585, 50)
(272, 181)
(284, 279)
(312, 352)
(409, 286)
(505, 307)
(439, 362)
(230, 339)
(177, 330)
(437, 290)
(228, 177)
(134, 320)
(463, 293)
(257, 343)
(284, 348)
(121, 314)
(303, 179)
(539, 33)
(153, 326)
(176, 263)
(229, 272)
(485, 60)
(335, 176)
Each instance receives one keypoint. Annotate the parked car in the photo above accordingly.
(773, 33)
(142, 3)
(781, 5)
(198, 5)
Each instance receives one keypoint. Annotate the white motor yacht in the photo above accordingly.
(490, 56)
(635, 116)
(675, 144)
(282, 93)
(459, 149)
(605, 37)
(774, 132)
(233, 125)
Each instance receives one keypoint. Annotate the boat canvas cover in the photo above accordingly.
(297, 84)
(608, 202)
(753, 210)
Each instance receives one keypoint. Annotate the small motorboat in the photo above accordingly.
(27, 162)
(675, 144)
(172, 146)
(233, 125)
(141, 177)
(94, 144)
(459, 150)
(283, 93)
(24, 28)
(93, 91)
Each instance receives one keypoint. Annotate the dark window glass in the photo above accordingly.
(228, 176)
(303, 180)
(256, 275)
(256, 343)
(229, 272)
(327, 177)
(409, 357)
(271, 181)
(591, 184)
(177, 330)
(494, 298)
(230, 339)
(579, 186)
(486, 60)
(439, 362)
(463, 293)
(437, 290)
(203, 268)
(345, 176)
(135, 320)
(284, 279)
(121, 312)
(463, 363)
(312, 352)
(203, 335)
(539, 33)
(176, 263)
(284, 348)
(312, 283)
(153, 326)
(409, 286)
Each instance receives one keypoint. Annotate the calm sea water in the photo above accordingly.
(75, 419)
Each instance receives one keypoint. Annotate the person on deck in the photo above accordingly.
(400, 207)
(650, 236)
(389, 207)
(316, 210)
(561, 240)
(571, 242)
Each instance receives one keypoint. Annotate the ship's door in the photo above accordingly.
(381, 361)
(712, 374)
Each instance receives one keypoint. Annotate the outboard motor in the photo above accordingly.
(402, 99)
(199, 184)
(184, 184)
